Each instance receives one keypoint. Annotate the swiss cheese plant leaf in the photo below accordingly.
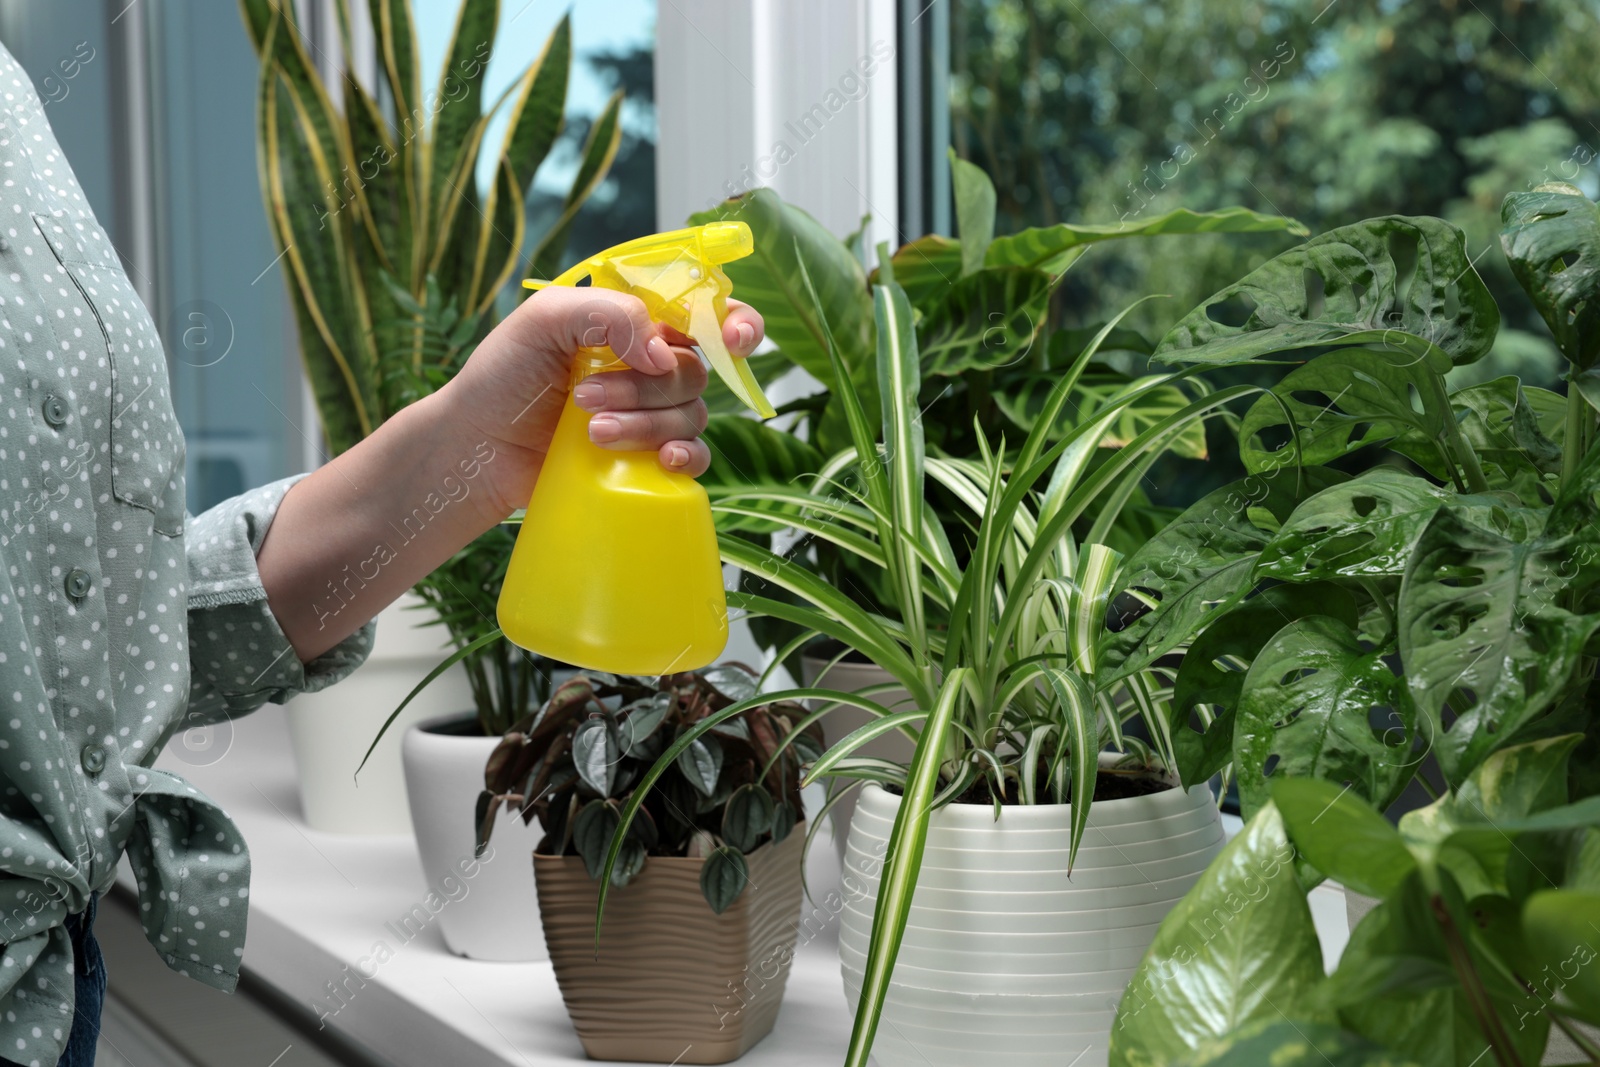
(1367, 527)
(1308, 710)
(1514, 431)
(1206, 694)
(1053, 249)
(1394, 275)
(1488, 643)
(1201, 564)
(1342, 401)
(1342, 836)
(984, 321)
(1240, 947)
(974, 196)
(769, 279)
(1551, 237)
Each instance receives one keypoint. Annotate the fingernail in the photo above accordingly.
(590, 395)
(604, 429)
(747, 336)
(677, 456)
(660, 353)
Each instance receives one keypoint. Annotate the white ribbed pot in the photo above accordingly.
(330, 730)
(1006, 960)
(486, 908)
(848, 677)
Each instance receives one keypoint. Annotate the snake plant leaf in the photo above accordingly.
(594, 162)
(539, 106)
(1212, 675)
(723, 876)
(975, 200)
(770, 279)
(1395, 279)
(1293, 1043)
(1341, 402)
(988, 320)
(396, 31)
(1198, 567)
(748, 817)
(1240, 947)
(749, 455)
(1551, 238)
(1052, 249)
(458, 98)
(501, 230)
(1369, 526)
(1484, 631)
(386, 196)
(902, 865)
(1342, 835)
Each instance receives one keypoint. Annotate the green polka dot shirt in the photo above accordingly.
(122, 619)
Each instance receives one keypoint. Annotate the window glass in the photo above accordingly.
(1326, 111)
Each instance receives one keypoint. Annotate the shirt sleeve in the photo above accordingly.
(239, 657)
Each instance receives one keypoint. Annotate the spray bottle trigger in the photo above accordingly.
(706, 329)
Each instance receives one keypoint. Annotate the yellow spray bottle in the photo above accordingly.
(616, 567)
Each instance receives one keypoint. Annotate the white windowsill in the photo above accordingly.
(320, 902)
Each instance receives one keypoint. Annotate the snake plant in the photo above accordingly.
(1008, 702)
(393, 256)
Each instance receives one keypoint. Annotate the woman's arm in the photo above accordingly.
(365, 527)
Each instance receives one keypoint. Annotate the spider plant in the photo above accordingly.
(1008, 703)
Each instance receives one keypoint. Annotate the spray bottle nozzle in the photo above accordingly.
(679, 277)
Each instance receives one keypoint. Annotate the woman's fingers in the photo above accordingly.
(629, 390)
(648, 430)
(592, 318)
(742, 330)
(686, 457)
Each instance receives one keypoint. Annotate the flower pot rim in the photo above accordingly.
(432, 724)
(1041, 811)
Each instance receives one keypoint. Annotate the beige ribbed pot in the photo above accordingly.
(672, 982)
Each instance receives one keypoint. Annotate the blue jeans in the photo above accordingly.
(89, 989)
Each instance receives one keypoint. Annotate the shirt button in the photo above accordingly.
(77, 584)
(55, 410)
(94, 758)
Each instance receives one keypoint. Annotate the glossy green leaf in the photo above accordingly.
(1342, 836)
(723, 876)
(1198, 566)
(748, 817)
(1483, 631)
(1054, 248)
(1407, 275)
(592, 830)
(595, 753)
(974, 196)
(1292, 1043)
(1563, 927)
(640, 721)
(984, 321)
(1551, 238)
(701, 764)
(1214, 668)
(1238, 948)
(926, 267)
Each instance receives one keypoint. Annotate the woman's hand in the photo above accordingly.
(511, 392)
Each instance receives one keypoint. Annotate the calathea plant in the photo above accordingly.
(1444, 603)
(1008, 702)
(731, 788)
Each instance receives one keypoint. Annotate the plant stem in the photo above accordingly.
(1389, 620)
(1489, 1021)
(1575, 442)
(1462, 453)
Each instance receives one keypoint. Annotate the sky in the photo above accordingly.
(597, 26)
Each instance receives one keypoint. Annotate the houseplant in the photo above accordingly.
(712, 860)
(1432, 619)
(1009, 717)
(981, 305)
(394, 260)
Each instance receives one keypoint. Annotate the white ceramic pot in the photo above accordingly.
(851, 677)
(1006, 960)
(330, 730)
(486, 908)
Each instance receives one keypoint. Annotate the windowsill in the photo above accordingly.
(320, 903)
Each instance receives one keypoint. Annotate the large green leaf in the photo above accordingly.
(1342, 401)
(769, 281)
(926, 267)
(1563, 927)
(540, 103)
(1292, 1043)
(1513, 430)
(1342, 836)
(1367, 527)
(745, 455)
(1201, 564)
(1053, 249)
(1484, 633)
(985, 321)
(1551, 237)
(1306, 712)
(458, 98)
(1213, 671)
(1238, 948)
(1391, 275)
(974, 196)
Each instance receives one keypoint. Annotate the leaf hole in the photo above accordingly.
(1234, 310)
(1271, 765)
(1403, 252)
(1364, 505)
(1452, 300)
(1316, 293)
